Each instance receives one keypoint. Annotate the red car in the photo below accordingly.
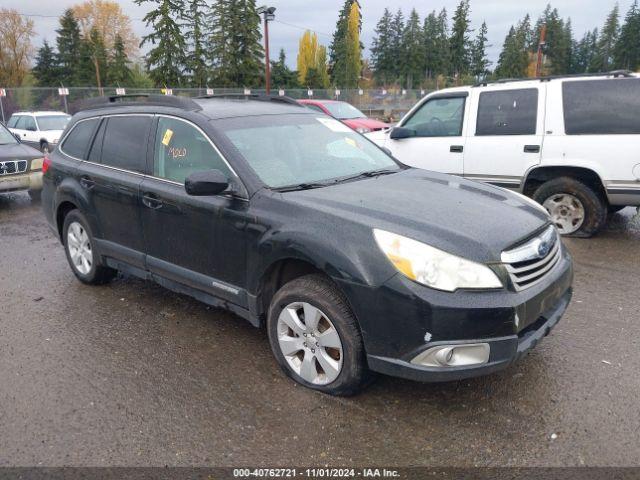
(347, 114)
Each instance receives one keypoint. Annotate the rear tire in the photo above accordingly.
(324, 353)
(81, 255)
(575, 208)
(44, 147)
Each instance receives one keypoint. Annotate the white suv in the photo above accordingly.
(570, 143)
(39, 129)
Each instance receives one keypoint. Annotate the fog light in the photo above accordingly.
(454, 355)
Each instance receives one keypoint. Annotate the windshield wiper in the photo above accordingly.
(300, 186)
(372, 173)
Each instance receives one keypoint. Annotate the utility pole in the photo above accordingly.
(268, 13)
(541, 46)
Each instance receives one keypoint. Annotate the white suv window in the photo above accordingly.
(438, 117)
(508, 112)
(602, 107)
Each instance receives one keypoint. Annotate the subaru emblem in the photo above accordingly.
(543, 249)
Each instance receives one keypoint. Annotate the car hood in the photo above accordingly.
(468, 219)
(369, 123)
(19, 151)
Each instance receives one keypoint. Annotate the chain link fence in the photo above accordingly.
(388, 105)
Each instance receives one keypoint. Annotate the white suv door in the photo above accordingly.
(506, 132)
(30, 132)
(435, 132)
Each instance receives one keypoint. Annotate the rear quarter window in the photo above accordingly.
(602, 107)
(77, 141)
(13, 121)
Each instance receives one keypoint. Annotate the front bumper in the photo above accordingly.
(504, 352)
(401, 319)
(23, 181)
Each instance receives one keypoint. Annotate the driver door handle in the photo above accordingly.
(456, 149)
(149, 200)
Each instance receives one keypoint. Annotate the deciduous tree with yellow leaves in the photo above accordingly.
(312, 62)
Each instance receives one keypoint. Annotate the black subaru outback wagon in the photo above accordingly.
(353, 261)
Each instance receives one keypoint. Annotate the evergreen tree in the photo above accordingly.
(69, 45)
(195, 36)
(584, 51)
(98, 53)
(558, 42)
(281, 75)
(603, 60)
(119, 72)
(85, 69)
(459, 41)
(397, 43)
(46, 69)
(346, 49)
(412, 60)
(627, 49)
(514, 58)
(479, 61)
(382, 57)
(166, 60)
(235, 43)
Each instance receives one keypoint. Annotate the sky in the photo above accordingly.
(294, 16)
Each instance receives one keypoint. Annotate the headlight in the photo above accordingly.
(432, 267)
(363, 130)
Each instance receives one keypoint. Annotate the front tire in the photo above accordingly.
(315, 337)
(575, 208)
(81, 255)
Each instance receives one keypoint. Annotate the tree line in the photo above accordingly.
(218, 43)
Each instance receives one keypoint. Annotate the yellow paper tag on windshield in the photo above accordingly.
(166, 139)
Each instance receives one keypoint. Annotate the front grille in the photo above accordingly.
(528, 264)
(10, 167)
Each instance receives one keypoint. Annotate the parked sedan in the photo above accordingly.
(20, 165)
(347, 114)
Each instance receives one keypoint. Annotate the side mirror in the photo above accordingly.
(398, 133)
(206, 183)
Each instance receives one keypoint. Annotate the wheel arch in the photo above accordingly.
(62, 211)
(543, 173)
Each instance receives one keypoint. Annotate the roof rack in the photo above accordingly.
(614, 73)
(253, 96)
(183, 103)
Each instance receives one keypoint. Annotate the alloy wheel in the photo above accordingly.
(79, 247)
(310, 343)
(567, 212)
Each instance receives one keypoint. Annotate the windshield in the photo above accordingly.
(343, 110)
(6, 137)
(53, 122)
(288, 150)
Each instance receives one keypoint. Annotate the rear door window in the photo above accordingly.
(77, 142)
(602, 107)
(508, 112)
(13, 121)
(125, 142)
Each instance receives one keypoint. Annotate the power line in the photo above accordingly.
(299, 27)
